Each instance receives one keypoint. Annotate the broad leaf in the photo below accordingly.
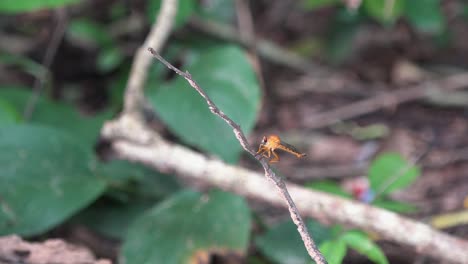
(383, 10)
(283, 243)
(55, 114)
(46, 177)
(426, 15)
(14, 6)
(227, 77)
(362, 244)
(334, 251)
(390, 172)
(187, 225)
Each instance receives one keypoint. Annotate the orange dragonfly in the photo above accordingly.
(273, 142)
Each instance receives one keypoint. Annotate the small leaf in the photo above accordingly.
(184, 11)
(13, 6)
(314, 4)
(390, 172)
(329, 187)
(383, 10)
(89, 32)
(283, 243)
(8, 114)
(426, 15)
(344, 28)
(362, 244)
(334, 251)
(227, 77)
(187, 224)
(395, 206)
(109, 58)
(46, 177)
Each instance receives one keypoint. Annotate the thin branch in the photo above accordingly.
(270, 175)
(381, 101)
(133, 100)
(49, 56)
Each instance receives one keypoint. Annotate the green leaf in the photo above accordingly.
(362, 244)
(13, 6)
(344, 28)
(113, 218)
(334, 251)
(314, 4)
(89, 32)
(186, 224)
(390, 172)
(384, 11)
(426, 15)
(223, 11)
(283, 243)
(46, 177)
(109, 58)
(329, 187)
(60, 115)
(227, 77)
(8, 114)
(137, 179)
(184, 11)
(395, 206)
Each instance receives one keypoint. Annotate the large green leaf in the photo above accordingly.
(133, 189)
(14, 6)
(425, 15)
(383, 10)
(226, 75)
(189, 223)
(361, 243)
(46, 177)
(390, 172)
(283, 243)
(8, 114)
(60, 115)
(184, 10)
(333, 250)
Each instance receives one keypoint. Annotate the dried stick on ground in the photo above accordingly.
(403, 95)
(270, 175)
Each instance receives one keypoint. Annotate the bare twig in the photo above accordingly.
(403, 95)
(270, 175)
(133, 100)
(49, 56)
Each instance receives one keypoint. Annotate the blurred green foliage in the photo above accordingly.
(50, 172)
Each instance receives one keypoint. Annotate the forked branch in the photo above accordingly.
(270, 175)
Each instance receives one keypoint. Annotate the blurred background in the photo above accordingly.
(371, 90)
